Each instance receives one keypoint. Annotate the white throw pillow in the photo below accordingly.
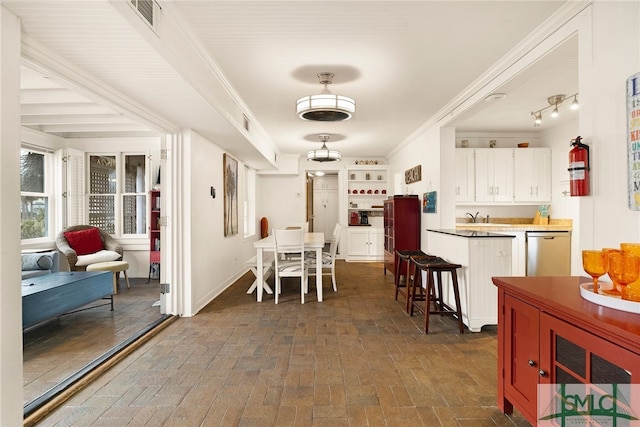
(100, 256)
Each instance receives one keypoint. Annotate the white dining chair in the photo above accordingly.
(290, 242)
(328, 260)
(303, 225)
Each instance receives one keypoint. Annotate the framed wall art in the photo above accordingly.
(230, 195)
(429, 202)
(413, 175)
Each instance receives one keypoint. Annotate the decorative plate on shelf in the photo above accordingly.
(607, 300)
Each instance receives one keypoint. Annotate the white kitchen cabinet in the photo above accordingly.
(533, 178)
(465, 175)
(481, 258)
(494, 174)
(365, 243)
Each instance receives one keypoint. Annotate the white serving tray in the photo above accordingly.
(606, 300)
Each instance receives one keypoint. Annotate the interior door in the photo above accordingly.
(325, 204)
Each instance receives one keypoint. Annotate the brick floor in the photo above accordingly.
(355, 359)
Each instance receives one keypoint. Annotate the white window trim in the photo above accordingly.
(49, 180)
(120, 157)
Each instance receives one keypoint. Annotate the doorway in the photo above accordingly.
(322, 202)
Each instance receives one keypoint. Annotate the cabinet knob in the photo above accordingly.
(532, 363)
(542, 373)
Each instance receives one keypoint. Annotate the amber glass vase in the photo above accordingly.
(631, 292)
(616, 289)
(624, 268)
(595, 263)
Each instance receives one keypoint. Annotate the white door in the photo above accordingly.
(325, 205)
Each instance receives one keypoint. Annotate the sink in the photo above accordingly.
(481, 224)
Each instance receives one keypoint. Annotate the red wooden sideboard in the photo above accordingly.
(549, 334)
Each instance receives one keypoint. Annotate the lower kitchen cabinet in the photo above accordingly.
(548, 334)
(365, 244)
(482, 255)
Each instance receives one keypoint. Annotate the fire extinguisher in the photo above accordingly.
(579, 167)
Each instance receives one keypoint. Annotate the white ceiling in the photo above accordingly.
(402, 61)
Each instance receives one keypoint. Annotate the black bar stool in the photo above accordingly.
(402, 256)
(412, 289)
(433, 289)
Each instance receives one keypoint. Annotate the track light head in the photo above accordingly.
(574, 104)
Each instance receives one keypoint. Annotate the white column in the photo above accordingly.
(11, 394)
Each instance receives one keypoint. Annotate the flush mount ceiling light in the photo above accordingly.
(554, 101)
(495, 97)
(324, 154)
(325, 107)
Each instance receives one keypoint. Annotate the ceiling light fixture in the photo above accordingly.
(554, 101)
(537, 119)
(325, 107)
(495, 97)
(574, 104)
(324, 154)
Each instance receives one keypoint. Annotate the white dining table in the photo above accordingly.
(311, 241)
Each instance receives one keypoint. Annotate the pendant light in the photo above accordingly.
(325, 107)
(324, 154)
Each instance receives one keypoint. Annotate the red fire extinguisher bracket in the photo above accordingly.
(579, 166)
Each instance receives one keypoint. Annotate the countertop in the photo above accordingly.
(480, 226)
(471, 233)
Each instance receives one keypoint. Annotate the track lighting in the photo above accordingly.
(554, 101)
(574, 104)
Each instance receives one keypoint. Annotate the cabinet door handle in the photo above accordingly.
(532, 363)
(542, 373)
(498, 190)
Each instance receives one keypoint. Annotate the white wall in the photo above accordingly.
(282, 199)
(425, 150)
(613, 56)
(11, 394)
(214, 261)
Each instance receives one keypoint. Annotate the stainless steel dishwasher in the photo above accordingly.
(548, 253)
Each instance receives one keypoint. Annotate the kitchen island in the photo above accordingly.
(482, 255)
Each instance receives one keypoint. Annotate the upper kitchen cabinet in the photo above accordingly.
(494, 174)
(465, 175)
(533, 181)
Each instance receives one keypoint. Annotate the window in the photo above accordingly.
(35, 208)
(249, 201)
(134, 197)
(117, 193)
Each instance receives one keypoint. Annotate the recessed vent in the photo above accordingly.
(149, 10)
(245, 122)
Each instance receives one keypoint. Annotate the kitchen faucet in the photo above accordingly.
(474, 218)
